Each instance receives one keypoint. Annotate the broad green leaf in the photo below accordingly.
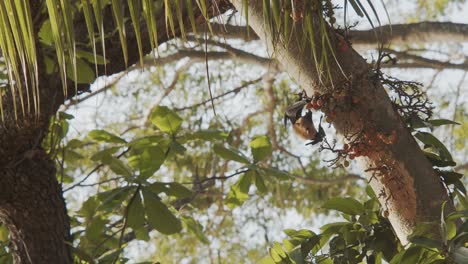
(429, 140)
(260, 183)
(345, 205)
(144, 142)
(104, 136)
(441, 122)
(71, 156)
(166, 120)
(148, 161)
(175, 148)
(82, 254)
(302, 234)
(436, 160)
(136, 213)
(159, 216)
(102, 154)
(95, 230)
(89, 207)
(411, 255)
(261, 148)
(74, 143)
(112, 199)
(136, 218)
(426, 242)
(230, 153)
(239, 192)
(207, 135)
(460, 255)
(90, 57)
(45, 33)
(111, 256)
(266, 260)
(195, 228)
(117, 166)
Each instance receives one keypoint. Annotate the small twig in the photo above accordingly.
(93, 171)
(127, 209)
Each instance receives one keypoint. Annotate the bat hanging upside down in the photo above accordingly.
(302, 124)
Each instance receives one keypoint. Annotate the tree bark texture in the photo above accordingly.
(33, 210)
(408, 188)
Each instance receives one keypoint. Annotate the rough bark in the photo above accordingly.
(33, 210)
(408, 187)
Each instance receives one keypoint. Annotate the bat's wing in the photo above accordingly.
(294, 111)
(319, 136)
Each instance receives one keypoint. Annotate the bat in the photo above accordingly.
(294, 112)
(303, 125)
(318, 136)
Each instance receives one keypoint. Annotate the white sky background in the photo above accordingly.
(104, 109)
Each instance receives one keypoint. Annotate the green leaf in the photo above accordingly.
(90, 57)
(207, 135)
(82, 254)
(230, 153)
(94, 231)
(136, 218)
(260, 183)
(261, 148)
(460, 255)
(88, 208)
(45, 33)
(112, 199)
(345, 205)
(100, 155)
(441, 122)
(166, 120)
(429, 140)
(301, 234)
(159, 216)
(195, 228)
(118, 166)
(436, 160)
(411, 255)
(84, 72)
(426, 242)
(104, 136)
(239, 192)
(148, 161)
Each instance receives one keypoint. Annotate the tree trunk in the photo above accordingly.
(33, 210)
(409, 190)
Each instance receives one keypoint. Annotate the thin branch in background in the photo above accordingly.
(198, 182)
(233, 91)
(434, 77)
(79, 183)
(208, 70)
(415, 61)
(125, 223)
